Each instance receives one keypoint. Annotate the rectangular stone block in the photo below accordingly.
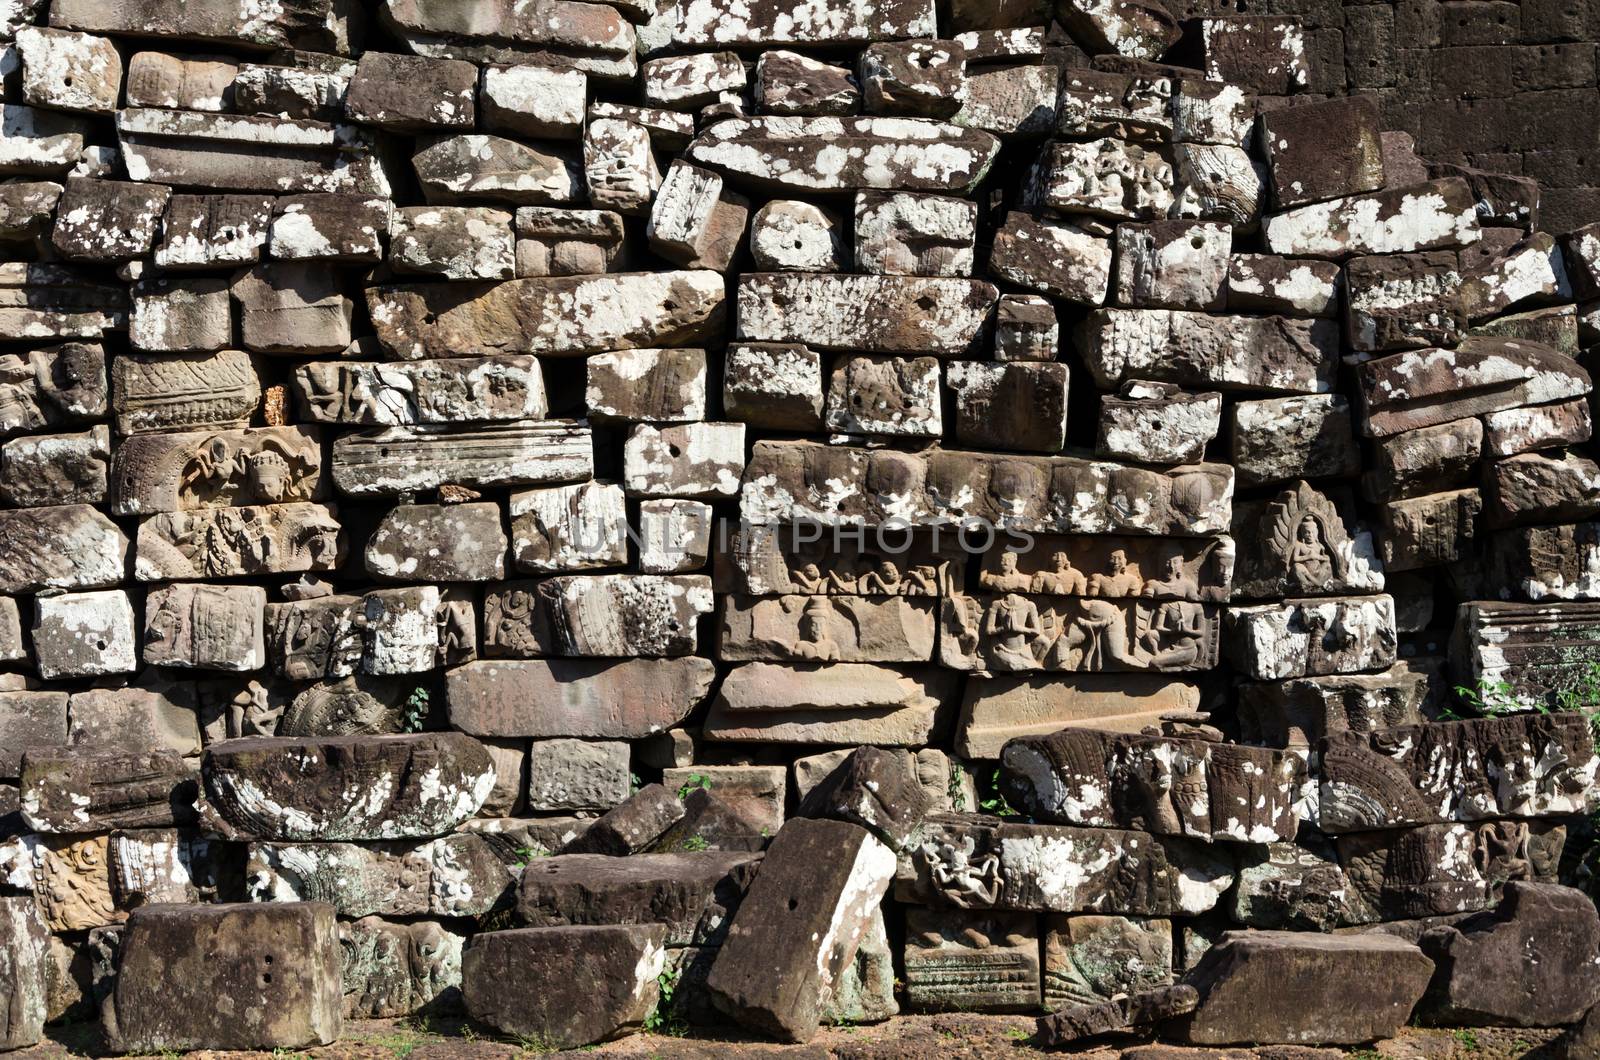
(230, 542)
(1271, 354)
(839, 703)
(959, 961)
(938, 316)
(826, 629)
(1014, 632)
(1483, 375)
(999, 708)
(1305, 638)
(397, 460)
(593, 698)
(238, 152)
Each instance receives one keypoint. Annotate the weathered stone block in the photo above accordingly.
(208, 627)
(565, 775)
(56, 469)
(1430, 216)
(84, 634)
(397, 460)
(24, 972)
(840, 703)
(63, 70)
(1006, 706)
(478, 167)
(438, 543)
(1055, 257)
(1423, 388)
(1305, 638)
(278, 963)
(410, 93)
(971, 962)
(96, 790)
(605, 699)
(1272, 354)
(692, 895)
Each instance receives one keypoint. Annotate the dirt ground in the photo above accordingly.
(948, 1037)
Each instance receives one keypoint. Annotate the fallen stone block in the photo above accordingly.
(1270, 354)
(1304, 989)
(394, 970)
(279, 963)
(1091, 959)
(24, 972)
(600, 699)
(691, 895)
(810, 906)
(564, 986)
(1132, 1014)
(1430, 216)
(960, 961)
(631, 827)
(876, 789)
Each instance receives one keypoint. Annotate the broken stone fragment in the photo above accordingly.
(885, 396)
(820, 154)
(1304, 988)
(877, 789)
(40, 301)
(565, 986)
(593, 38)
(674, 536)
(260, 465)
(1546, 426)
(206, 231)
(1091, 959)
(410, 93)
(754, 795)
(86, 790)
(180, 316)
(618, 165)
(632, 826)
(1026, 329)
(597, 699)
(234, 152)
(789, 83)
(1099, 103)
(1087, 777)
(810, 912)
(27, 208)
(788, 235)
(1263, 54)
(329, 227)
(695, 460)
(1017, 405)
(774, 385)
(179, 82)
(393, 970)
(294, 92)
(40, 143)
(270, 539)
(1430, 773)
(923, 78)
(24, 972)
(1324, 150)
(1137, 29)
(533, 101)
(279, 962)
(1055, 257)
(1196, 349)
(873, 314)
(557, 242)
(107, 221)
(914, 235)
(1302, 711)
(1395, 301)
(620, 615)
(315, 25)
(63, 70)
(396, 460)
(56, 469)
(1529, 963)
(28, 721)
(1304, 638)
(478, 167)
(1107, 178)
(1558, 487)
(566, 528)
(577, 775)
(971, 861)
(1280, 439)
(1172, 264)
(84, 634)
(960, 961)
(293, 308)
(557, 315)
(70, 546)
(688, 82)
(160, 716)
(343, 787)
(693, 222)
(1157, 423)
(692, 895)
(1216, 182)
(1283, 286)
(840, 703)
(438, 543)
(451, 390)
(1432, 216)
(1507, 644)
(1530, 273)
(453, 242)
(1009, 101)
(458, 875)
(211, 627)
(1424, 388)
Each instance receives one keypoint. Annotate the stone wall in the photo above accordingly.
(784, 511)
(1508, 87)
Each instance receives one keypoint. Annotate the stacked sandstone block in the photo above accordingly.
(508, 506)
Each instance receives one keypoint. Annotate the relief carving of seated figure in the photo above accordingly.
(1124, 579)
(1007, 579)
(1176, 635)
(883, 580)
(1061, 580)
(1012, 627)
(809, 579)
(815, 640)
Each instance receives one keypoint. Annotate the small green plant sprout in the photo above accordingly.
(696, 780)
(995, 802)
(415, 710)
(694, 842)
(664, 1018)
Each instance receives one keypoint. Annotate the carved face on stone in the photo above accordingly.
(269, 476)
(1119, 561)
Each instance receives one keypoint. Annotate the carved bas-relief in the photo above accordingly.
(210, 627)
(387, 631)
(1305, 638)
(181, 472)
(1298, 544)
(51, 387)
(231, 542)
(1015, 632)
(451, 390)
(1113, 567)
(826, 628)
(800, 559)
(217, 391)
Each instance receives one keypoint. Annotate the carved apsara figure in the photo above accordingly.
(958, 879)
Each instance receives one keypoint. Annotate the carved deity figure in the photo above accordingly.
(1310, 563)
(1175, 636)
(1063, 579)
(956, 877)
(816, 642)
(1013, 627)
(1007, 579)
(883, 580)
(1124, 579)
(809, 579)
(1177, 582)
